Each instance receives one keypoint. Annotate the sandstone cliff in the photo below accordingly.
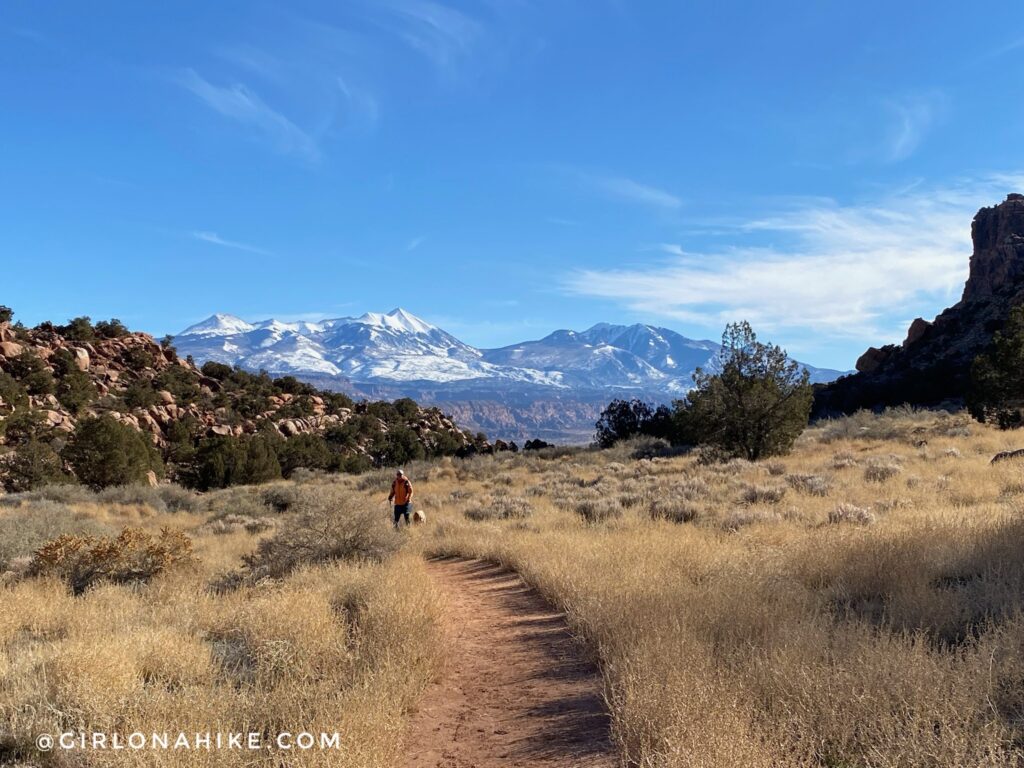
(932, 365)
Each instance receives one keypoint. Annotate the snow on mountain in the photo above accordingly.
(398, 348)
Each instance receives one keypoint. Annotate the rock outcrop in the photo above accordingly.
(116, 365)
(932, 367)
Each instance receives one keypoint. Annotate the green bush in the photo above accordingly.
(21, 426)
(308, 450)
(140, 394)
(626, 419)
(33, 373)
(74, 389)
(6, 313)
(34, 464)
(111, 329)
(138, 359)
(216, 370)
(78, 329)
(11, 392)
(398, 447)
(223, 461)
(103, 452)
(180, 382)
(996, 392)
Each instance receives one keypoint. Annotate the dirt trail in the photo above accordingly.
(516, 692)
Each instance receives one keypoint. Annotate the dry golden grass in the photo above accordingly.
(857, 603)
(809, 612)
(339, 647)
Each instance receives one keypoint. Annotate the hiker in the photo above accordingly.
(401, 494)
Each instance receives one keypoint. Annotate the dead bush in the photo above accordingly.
(598, 510)
(674, 510)
(133, 556)
(501, 508)
(763, 494)
(878, 470)
(320, 535)
(812, 485)
(850, 513)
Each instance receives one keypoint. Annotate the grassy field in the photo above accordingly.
(857, 603)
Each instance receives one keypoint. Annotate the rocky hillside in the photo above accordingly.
(932, 365)
(54, 377)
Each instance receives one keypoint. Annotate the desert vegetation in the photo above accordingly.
(856, 602)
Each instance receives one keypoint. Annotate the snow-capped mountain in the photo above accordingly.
(398, 354)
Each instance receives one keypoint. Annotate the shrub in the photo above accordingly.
(74, 389)
(104, 452)
(307, 450)
(398, 447)
(33, 373)
(11, 392)
(650, 448)
(849, 513)
(745, 516)
(756, 406)
(674, 510)
(138, 359)
(280, 497)
(222, 461)
(843, 460)
(180, 382)
(624, 419)
(140, 394)
(78, 329)
(33, 522)
(133, 556)
(329, 528)
(812, 485)
(110, 329)
(34, 464)
(598, 510)
(502, 508)
(6, 313)
(763, 494)
(878, 471)
(996, 392)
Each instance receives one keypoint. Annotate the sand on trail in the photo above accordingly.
(516, 691)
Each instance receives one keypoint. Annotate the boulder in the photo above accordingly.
(81, 358)
(165, 397)
(917, 329)
(10, 349)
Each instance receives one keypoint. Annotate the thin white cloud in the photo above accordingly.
(214, 239)
(843, 272)
(632, 191)
(672, 249)
(361, 106)
(440, 33)
(246, 107)
(415, 243)
(912, 119)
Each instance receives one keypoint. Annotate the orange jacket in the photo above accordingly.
(401, 491)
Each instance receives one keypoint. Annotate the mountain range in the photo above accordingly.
(552, 388)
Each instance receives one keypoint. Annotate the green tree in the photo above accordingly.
(75, 388)
(32, 372)
(11, 392)
(111, 329)
(224, 460)
(6, 313)
(307, 450)
(23, 425)
(623, 419)
(756, 406)
(103, 452)
(78, 329)
(180, 382)
(399, 446)
(34, 464)
(996, 392)
(140, 394)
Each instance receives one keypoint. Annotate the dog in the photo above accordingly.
(419, 516)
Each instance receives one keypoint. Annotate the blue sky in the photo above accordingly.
(506, 167)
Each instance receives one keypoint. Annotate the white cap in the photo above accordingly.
(401, 473)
